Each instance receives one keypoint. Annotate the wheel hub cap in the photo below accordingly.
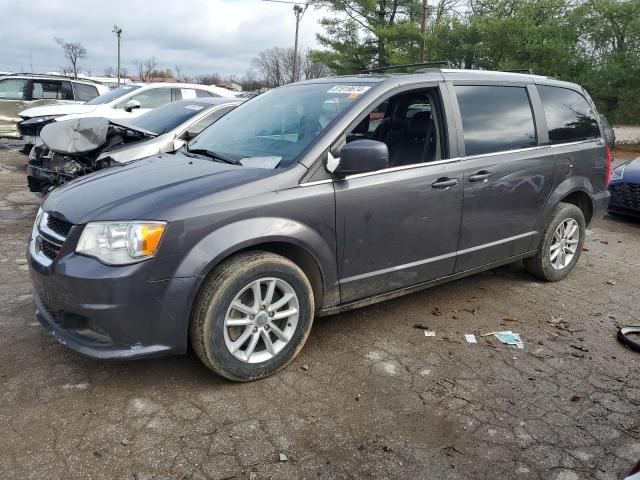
(564, 244)
(261, 320)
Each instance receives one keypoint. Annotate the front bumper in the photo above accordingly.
(625, 198)
(109, 312)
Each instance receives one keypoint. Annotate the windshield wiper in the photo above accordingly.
(213, 155)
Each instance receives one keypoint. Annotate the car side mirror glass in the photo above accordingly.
(130, 105)
(362, 156)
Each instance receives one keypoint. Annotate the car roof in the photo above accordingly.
(209, 101)
(447, 74)
(45, 76)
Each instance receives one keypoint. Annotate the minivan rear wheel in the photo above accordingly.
(561, 244)
(252, 316)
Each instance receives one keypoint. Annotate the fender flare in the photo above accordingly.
(222, 243)
(564, 189)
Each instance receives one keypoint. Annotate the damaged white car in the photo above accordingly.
(77, 147)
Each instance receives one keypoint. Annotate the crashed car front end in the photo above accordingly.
(73, 148)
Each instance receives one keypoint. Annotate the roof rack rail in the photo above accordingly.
(520, 70)
(408, 65)
(49, 75)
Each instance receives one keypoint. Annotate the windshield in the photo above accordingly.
(112, 95)
(278, 125)
(167, 117)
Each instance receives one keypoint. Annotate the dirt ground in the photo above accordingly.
(369, 396)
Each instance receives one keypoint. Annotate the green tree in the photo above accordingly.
(368, 33)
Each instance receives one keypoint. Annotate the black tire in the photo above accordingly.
(540, 264)
(206, 329)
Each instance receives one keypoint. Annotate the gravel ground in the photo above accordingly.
(369, 396)
(627, 133)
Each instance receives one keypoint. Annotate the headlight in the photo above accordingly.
(40, 119)
(121, 243)
(617, 173)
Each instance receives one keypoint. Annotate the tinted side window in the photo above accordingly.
(495, 119)
(84, 92)
(13, 89)
(569, 116)
(204, 93)
(50, 90)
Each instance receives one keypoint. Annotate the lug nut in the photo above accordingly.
(266, 327)
(255, 329)
(271, 314)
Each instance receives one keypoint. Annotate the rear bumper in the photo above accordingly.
(600, 202)
(108, 312)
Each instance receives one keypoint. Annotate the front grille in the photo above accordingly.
(628, 194)
(50, 237)
(48, 249)
(59, 226)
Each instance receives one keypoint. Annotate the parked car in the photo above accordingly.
(625, 189)
(278, 213)
(77, 147)
(122, 104)
(25, 90)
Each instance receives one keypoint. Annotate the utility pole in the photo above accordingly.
(423, 29)
(298, 11)
(118, 32)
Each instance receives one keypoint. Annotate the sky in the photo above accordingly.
(200, 36)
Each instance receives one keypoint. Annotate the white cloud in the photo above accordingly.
(198, 35)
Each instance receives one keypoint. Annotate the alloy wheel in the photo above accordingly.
(261, 320)
(565, 243)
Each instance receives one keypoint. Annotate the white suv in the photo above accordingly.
(122, 104)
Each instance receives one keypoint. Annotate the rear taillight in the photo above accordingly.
(607, 153)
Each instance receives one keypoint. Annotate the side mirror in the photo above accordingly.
(190, 134)
(178, 143)
(130, 105)
(362, 156)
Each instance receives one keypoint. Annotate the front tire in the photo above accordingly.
(252, 316)
(561, 244)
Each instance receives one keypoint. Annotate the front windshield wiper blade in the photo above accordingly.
(213, 155)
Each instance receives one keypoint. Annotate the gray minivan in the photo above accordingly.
(315, 198)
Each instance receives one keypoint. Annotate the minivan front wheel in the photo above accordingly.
(252, 316)
(561, 244)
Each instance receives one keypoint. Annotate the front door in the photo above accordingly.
(399, 226)
(507, 176)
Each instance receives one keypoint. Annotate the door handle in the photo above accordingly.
(481, 176)
(445, 182)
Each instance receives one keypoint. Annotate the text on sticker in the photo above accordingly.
(348, 89)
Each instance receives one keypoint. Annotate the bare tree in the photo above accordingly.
(274, 67)
(109, 72)
(145, 68)
(312, 68)
(209, 79)
(179, 76)
(73, 51)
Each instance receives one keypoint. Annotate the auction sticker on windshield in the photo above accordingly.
(194, 107)
(349, 89)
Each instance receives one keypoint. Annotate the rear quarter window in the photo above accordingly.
(84, 93)
(495, 118)
(569, 116)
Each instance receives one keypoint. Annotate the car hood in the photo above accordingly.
(153, 188)
(630, 171)
(57, 110)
